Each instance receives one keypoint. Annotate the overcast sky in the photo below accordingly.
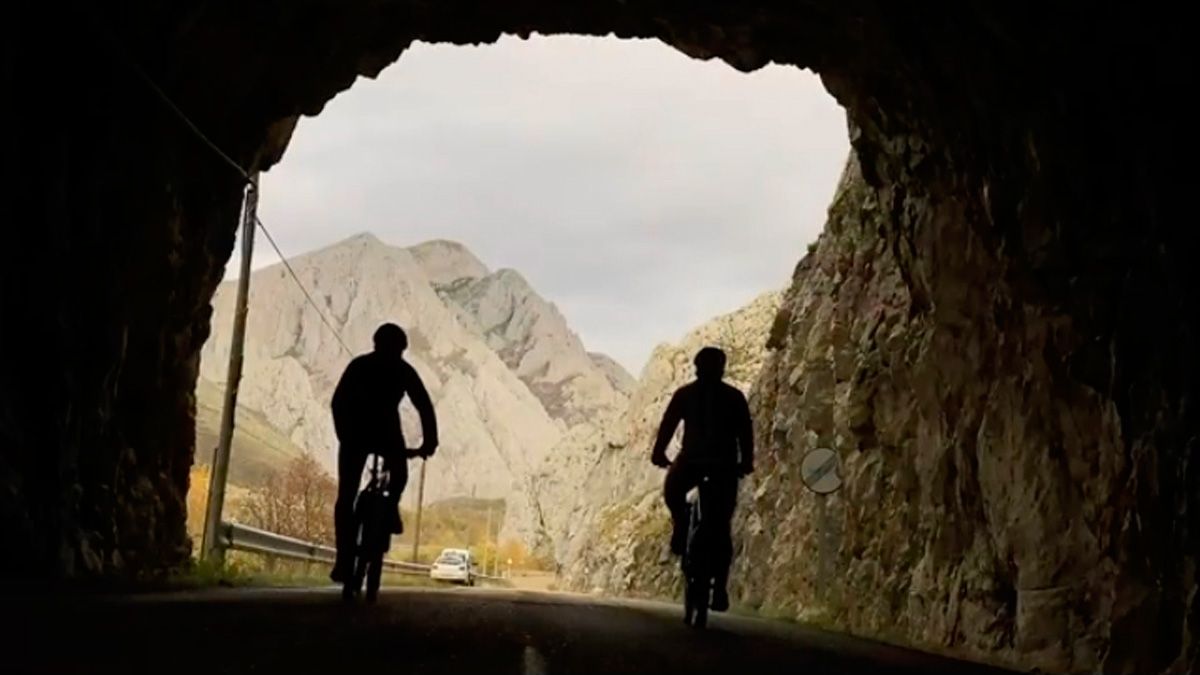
(641, 191)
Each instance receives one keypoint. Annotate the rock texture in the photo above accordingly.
(485, 345)
(445, 262)
(620, 378)
(492, 427)
(533, 339)
(1031, 197)
(982, 510)
(609, 530)
(983, 506)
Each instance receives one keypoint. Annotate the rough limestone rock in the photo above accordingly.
(609, 529)
(981, 511)
(447, 261)
(620, 378)
(533, 338)
(493, 429)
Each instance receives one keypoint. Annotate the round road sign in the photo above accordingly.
(819, 471)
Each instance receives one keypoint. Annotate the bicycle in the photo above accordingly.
(696, 562)
(373, 512)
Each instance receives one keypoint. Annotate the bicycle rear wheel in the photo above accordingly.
(374, 574)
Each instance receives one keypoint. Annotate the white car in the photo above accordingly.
(454, 564)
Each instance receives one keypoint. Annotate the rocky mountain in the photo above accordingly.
(609, 524)
(531, 336)
(620, 378)
(485, 344)
(445, 261)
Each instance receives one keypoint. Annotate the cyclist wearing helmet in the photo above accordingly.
(366, 417)
(718, 442)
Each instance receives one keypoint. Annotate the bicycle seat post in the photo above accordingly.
(379, 470)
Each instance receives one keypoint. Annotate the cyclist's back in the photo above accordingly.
(366, 418)
(716, 420)
(718, 444)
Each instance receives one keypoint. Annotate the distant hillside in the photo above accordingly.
(258, 447)
(456, 522)
(534, 340)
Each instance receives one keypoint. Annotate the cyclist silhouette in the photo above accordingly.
(366, 417)
(718, 443)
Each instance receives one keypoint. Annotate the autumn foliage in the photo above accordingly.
(296, 502)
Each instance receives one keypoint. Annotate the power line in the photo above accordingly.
(287, 265)
(133, 64)
(245, 175)
(190, 124)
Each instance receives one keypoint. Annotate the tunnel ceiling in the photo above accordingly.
(1031, 152)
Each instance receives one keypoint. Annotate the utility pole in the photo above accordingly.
(495, 543)
(420, 507)
(210, 547)
(487, 538)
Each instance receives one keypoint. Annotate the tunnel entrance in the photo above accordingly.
(1044, 275)
(632, 196)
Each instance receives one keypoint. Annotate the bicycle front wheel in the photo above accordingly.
(700, 591)
(689, 609)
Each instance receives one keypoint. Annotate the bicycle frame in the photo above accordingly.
(696, 563)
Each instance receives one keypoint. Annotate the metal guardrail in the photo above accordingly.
(240, 537)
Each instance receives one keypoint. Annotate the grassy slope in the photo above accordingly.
(258, 447)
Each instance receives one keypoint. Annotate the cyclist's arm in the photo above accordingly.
(666, 429)
(420, 400)
(745, 434)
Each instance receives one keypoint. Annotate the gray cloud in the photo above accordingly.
(641, 191)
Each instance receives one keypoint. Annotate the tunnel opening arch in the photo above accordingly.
(974, 128)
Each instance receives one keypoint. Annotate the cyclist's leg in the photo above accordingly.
(719, 507)
(680, 479)
(350, 468)
(397, 467)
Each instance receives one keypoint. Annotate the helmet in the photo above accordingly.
(710, 363)
(390, 337)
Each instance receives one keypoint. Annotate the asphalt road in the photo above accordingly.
(418, 631)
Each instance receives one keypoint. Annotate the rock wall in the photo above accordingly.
(985, 509)
(982, 509)
(608, 527)
(103, 307)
